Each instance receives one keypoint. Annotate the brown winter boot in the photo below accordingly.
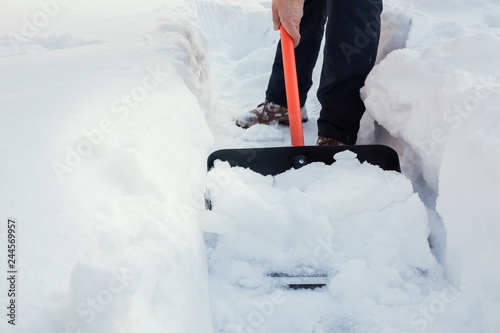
(324, 141)
(266, 113)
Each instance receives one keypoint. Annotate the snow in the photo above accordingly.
(110, 109)
(325, 223)
(448, 127)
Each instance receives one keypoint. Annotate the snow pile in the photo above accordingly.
(103, 146)
(468, 203)
(440, 54)
(363, 227)
(439, 97)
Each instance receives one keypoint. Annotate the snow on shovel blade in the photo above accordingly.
(276, 160)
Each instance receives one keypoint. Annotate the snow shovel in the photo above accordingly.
(276, 160)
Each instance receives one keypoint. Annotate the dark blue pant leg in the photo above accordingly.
(306, 54)
(352, 35)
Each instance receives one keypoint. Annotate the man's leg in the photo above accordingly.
(352, 35)
(306, 54)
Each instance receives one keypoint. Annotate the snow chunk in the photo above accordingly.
(361, 226)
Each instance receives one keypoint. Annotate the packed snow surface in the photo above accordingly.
(109, 110)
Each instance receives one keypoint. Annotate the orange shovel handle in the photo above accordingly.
(292, 89)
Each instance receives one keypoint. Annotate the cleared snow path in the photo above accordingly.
(327, 219)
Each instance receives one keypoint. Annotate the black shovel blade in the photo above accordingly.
(276, 160)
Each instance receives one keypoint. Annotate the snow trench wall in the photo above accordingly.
(439, 96)
(107, 144)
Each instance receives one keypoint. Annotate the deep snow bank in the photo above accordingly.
(103, 143)
(439, 96)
